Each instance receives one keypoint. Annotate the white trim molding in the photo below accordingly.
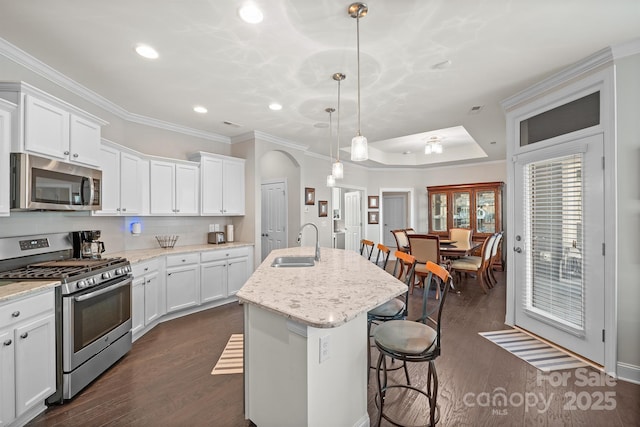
(629, 372)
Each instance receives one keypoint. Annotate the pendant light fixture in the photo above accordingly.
(433, 146)
(337, 170)
(331, 180)
(359, 149)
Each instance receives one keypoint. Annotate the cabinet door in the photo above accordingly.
(151, 298)
(5, 137)
(130, 188)
(137, 304)
(162, 184)
(35, 363)
(84, 141)
(485, 202)
(438, 211)
(237, 274)
(211, 186)
(110, 165)
(213, 281)
(461, 204)
(46, 128)
(182, 288)
(187, 189)
(233, 188)
(7, 375)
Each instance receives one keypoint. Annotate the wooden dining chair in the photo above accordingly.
(477, 264)
(402, 243)
(460, 234)
(494, 257)
(424, 247)
(409, 231)
(366, 248)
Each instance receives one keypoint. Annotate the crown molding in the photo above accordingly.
(578, 69)
(20, 57)
(629, 48)
(280, 141)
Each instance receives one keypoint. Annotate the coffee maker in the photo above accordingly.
(86, 244)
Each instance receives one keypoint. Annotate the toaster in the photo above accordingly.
(216, 237)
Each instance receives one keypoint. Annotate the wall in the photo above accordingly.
(628, 177)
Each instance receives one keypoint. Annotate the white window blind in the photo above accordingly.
(554, 224)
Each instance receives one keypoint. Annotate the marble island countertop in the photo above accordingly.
(341, 286)
(11, 290)
(138, 255)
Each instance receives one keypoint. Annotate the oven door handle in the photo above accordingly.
(102, 291)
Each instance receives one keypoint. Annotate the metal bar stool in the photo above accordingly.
(395, 308)
(414, 341)
(366, 248)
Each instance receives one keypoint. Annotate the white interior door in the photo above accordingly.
(274, 217)
(394, 215)
(559, 245)
(352, 221)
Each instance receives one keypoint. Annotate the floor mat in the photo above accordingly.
(533, 351)
(231, 359)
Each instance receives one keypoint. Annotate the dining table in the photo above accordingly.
(452, 248)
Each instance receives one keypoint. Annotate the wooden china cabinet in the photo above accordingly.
(476, 206)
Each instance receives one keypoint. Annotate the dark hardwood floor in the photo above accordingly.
(165, 380)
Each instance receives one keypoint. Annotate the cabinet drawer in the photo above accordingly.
(144, 267)
(223, 254)
(183, 259)
(24, 308)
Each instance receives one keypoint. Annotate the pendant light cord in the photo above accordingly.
(358, 54)
(338, 142)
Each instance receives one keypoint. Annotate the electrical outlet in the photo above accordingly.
(324, 347)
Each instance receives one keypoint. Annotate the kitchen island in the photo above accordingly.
(306, 338)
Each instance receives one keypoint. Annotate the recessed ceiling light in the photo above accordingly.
(275, 107)
(250, 14)
(146, 51)
(200, 109)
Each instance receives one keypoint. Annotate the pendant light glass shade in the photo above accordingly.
(359, 149)
(437, 148)
(428, 149)
(331, 181)
(337, 170)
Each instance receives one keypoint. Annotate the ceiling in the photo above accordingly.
(409, 92)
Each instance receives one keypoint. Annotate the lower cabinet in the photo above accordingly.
(146, 295)
(183, 281)
(27, 355)
(223, 273)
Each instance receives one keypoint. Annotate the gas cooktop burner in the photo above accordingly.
(61, 269)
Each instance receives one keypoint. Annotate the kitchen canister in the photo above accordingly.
(230, 233)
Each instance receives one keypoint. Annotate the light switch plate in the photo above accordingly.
(324, 347)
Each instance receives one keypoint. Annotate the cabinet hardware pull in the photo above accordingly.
(7, 342)
(15, 314)
(66, 153)
(75, 155)
(146, 269)
(124, 209)
(25, 335)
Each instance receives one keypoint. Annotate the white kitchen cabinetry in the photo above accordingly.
(27, 356)
(222, 179)
(51, 127)
(174, 188)
(223, 272)
(121, 181)
(6, 110)
(146, 296)
(183, 281)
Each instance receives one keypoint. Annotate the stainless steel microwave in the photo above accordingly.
(41, 183)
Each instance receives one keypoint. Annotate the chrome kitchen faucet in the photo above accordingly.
(317, 241)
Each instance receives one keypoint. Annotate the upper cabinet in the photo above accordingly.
(51, 127)
(222, 180)
(174, 188)
(474, 206)
(6, 110)
(122, 187)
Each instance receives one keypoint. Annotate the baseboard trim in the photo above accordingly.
(628, 372)
(363, 421)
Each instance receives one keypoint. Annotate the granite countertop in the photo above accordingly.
(139, 255)
(12, 290)
(341, 286)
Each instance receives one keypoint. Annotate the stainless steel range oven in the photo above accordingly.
(93, 304)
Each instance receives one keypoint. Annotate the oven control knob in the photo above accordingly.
(106, 275)
(91, 281)
(119, 271)
(81, 284)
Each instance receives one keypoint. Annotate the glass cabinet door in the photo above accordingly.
(485, 211)
(461, 203)
(439, 212)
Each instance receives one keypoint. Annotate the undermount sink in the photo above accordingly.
(293, 261)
